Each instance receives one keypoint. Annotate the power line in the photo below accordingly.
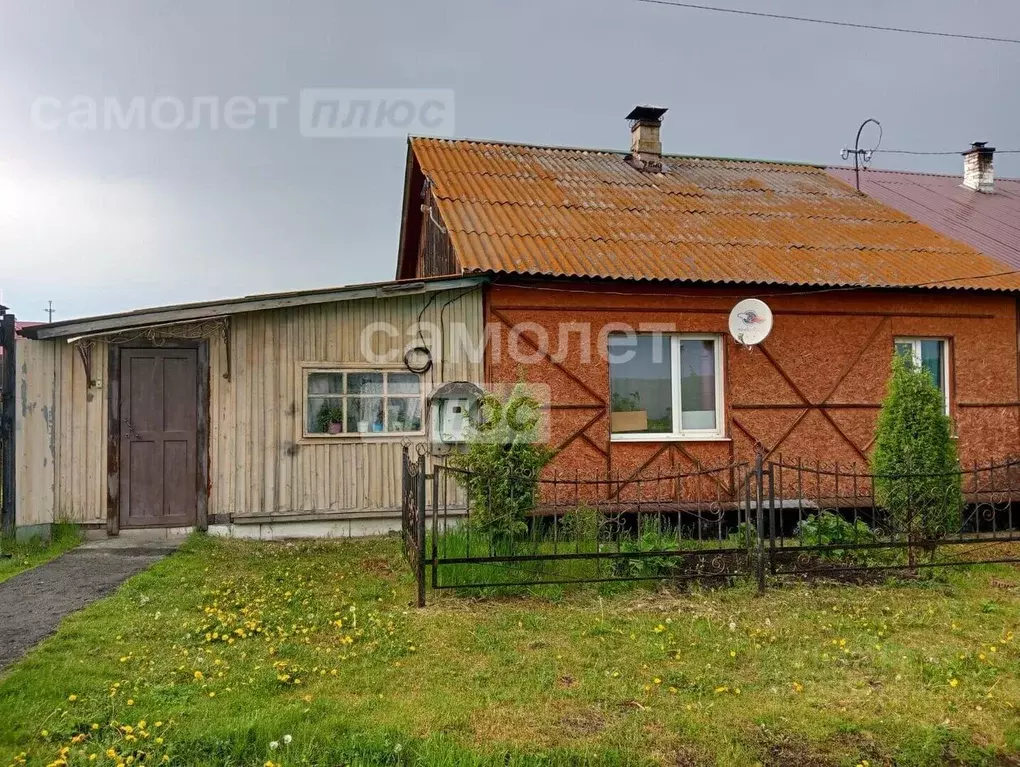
(912, 151)
(852, 25)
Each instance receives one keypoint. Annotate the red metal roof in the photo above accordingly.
(581, 213)
(987, 222)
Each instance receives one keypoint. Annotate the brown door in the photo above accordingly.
(158, 437)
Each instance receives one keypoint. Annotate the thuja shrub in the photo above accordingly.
(502, 464)
(917, 475)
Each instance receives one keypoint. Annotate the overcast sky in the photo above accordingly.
(107, 220)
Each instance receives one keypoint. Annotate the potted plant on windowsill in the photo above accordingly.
(331, 420)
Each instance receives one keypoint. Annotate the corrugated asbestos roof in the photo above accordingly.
(527, 210)
(988, 222)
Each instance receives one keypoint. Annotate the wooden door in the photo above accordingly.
(159, 401)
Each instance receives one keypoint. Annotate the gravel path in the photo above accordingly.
(33, 603)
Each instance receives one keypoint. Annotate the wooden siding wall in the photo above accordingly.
(435, 257)
(61, 442)
(259, 462)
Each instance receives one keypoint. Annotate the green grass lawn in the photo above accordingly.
(31, 553)
(227, 648)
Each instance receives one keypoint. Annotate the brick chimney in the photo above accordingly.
(977, 167)
(645, 145)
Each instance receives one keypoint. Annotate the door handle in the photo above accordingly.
(130, 430)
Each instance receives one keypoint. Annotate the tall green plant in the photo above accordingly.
(502, 464)
(915, 460)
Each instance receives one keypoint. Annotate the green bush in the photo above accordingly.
(828, 529)
(917, 478)
(651, 536)
(502, 464)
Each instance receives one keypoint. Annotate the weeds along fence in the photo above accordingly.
(761, 519)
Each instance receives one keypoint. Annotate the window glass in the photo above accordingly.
(363, 402)
(364, 383)
(403, 414)
(928, 354)
(932, 361)
(697, 384)
(365, 415)
(641, 387)
(325, 413)
(402, 383)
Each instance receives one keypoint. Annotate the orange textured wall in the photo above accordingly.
(830, 348)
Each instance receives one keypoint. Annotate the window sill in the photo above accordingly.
(383, 436)
(667, 438)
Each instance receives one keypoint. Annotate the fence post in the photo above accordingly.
(403, 499)
(772, 518)
(8, 367)
(420, 532)
(760, 521)
(436, 474)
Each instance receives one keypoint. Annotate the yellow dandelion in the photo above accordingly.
(954, 682)
(72, 697)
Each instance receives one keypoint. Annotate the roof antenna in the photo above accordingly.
(862, 156)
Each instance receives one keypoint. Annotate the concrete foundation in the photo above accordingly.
(24, 533)
(333, 528)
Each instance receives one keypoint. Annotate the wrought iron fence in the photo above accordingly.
(843, 520)
(777, 518)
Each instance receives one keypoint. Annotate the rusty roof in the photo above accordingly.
(528, 210)
(988, 222)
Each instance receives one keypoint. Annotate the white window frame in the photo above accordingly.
(309, 368)
(678, 434)
(915, 345)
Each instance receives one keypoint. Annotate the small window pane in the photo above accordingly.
(641, 386)
(697, 385)
(364, 415)
(932, 361)
(364, 383)
(325, 415)
(325, 383)
(403, 414)
(403, 383)
(905, 348)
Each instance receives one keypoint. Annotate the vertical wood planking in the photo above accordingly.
(258, 460)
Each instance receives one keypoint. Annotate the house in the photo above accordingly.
(605, 279)
(612, 275)
(264, 416)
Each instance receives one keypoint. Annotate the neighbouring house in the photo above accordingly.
(612, 274)
(264, 416)
(975, 207)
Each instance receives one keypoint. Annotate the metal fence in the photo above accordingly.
(776, 518)
(7, 377)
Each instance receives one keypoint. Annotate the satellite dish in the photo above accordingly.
(750, 321)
